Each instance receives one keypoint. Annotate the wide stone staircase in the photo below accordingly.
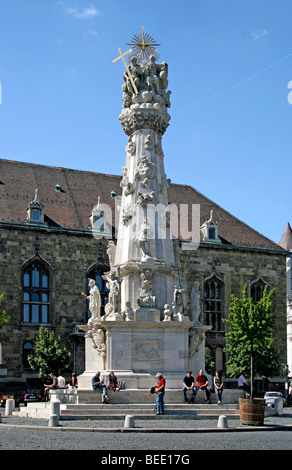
(87, 405)
(138, 411)
(147, 411)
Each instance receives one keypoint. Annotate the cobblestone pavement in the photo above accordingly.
(150, 424)
(148, 436)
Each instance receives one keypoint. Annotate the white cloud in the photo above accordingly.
(89, 12)
(91, 33)
(259, 34)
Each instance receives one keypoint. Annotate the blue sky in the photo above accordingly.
(230, 63)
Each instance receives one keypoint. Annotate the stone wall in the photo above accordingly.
(69, 257)
(236, 267)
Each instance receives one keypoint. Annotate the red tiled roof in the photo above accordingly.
(71, 207)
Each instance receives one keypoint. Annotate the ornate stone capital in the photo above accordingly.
(143, 118)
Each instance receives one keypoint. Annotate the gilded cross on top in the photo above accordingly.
(143, 47)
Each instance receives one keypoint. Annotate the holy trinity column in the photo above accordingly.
(145, 326)
(144, 259)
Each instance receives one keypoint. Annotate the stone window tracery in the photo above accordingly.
(35, 293)
(213, 303)
(257, 289)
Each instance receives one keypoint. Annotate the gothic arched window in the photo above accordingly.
(36, 293)
(257, 289)
(213, 303)
(96, 273)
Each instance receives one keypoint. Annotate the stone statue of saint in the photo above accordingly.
(137, 75)
(195, 303)
(142, 241)
(152, 74)
(111, 252)
(94, 300)
(114, 291)
(179, 297)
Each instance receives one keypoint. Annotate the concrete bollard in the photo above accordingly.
(9, 406)
(55, 408)
(54, 413)
(222, 422)
(53, 421)
(129, 422)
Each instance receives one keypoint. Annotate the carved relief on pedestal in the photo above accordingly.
(196, 339)
(148, 351)
(96, 333)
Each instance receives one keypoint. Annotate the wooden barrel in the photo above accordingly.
(252, 412)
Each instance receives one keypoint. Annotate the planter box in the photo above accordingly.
(252, 412)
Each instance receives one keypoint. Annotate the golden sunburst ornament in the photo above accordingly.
(143, 46)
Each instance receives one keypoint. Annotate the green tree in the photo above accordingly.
(209, 363)
(48, 355)
(249, 341)
(4, 318)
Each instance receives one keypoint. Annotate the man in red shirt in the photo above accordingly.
(203, 384)
(160, 390)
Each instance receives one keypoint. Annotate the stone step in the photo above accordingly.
(147, 406)
(119, 411)
(146, 411)
(138, 396)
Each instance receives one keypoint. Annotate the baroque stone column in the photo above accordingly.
(144, 253)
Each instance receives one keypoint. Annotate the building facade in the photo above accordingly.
(49, 251)
(286, 244)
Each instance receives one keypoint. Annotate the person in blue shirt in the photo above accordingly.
(99, 385)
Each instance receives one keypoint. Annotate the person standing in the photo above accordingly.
(189, 384)
(243, 384)
(218, 385)
(160, 390)
(203, 384)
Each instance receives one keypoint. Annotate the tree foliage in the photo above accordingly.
(209, 363)
(4, 318)
(249, 341)
(48, 355)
